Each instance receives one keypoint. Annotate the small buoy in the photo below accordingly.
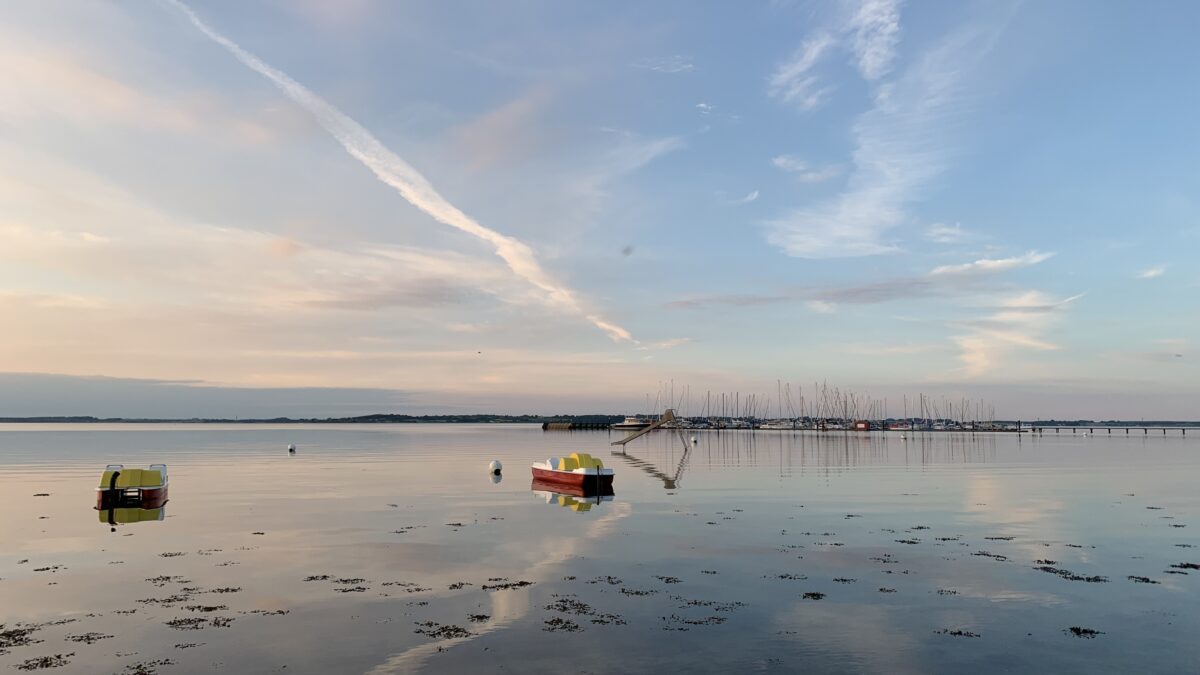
(693, 440)
(291, 448)
(495, 467)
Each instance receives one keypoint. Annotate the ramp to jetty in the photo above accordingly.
(668, 416)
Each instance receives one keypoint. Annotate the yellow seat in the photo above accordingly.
(133, 478)
(569, 463)
(129, 478)
(586, 461)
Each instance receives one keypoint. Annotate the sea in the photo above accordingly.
(391, 549)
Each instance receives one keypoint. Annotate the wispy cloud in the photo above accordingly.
(940, 233)
(666, 64)
(792, 82)
(704, 108)
(992, 264)
(802, 171)
(414, 187)
(901, 145)
(874, 28)
(1153, 272)
(940, 281)
(750, 197)
(1020, 322)
(868, 29)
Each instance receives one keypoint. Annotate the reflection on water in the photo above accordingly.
(123, 516)
(388, 549)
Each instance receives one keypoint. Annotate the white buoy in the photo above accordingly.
(495, 467)
(291, 448)
(693, 440)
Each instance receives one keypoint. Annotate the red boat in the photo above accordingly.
(132, 488)
(579, 470)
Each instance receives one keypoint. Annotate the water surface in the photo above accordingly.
(935, 553)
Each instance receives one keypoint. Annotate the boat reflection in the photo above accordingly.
(128, 515)
(574, 498)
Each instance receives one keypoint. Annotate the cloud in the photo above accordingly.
(874, 28)
(869, 29)
(750, 197)
(944, 280)
(792, 81)
(1018, 323)
(666, 64)
(803, 173)
(901, 146)
(991, 265)
(1153, 272)
(704, 108)
(940, 233)
(414, 187)
(665, 344)
(507, 134)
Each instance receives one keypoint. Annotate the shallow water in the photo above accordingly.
(700, 561)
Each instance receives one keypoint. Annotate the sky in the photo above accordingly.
(307, 207)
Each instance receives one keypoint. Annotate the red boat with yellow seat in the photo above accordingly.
(577, 470)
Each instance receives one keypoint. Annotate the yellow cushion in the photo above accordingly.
(569, 463)
(586, 461)
(151, 478)
(129, 478)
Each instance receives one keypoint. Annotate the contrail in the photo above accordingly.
(394, 171)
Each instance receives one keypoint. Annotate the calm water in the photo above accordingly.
(925, 550)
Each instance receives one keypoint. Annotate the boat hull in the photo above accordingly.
(143, 498)
(571, 490)
(568, 479)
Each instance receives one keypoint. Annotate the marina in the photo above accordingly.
(394, 549)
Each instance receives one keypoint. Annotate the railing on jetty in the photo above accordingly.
(1091, 429)
(574, 426)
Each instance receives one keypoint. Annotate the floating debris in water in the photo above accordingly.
(56, 661)
(668, 580)
(1186, 566)
(442, 632)
(1068, 575)
(1142, 580)
(504, 585)
(956, 633)
(886, 590)
(560, 624)
(147, 667)
(16, 637)
(478, 618)
(813, 595)
(611, 581)
(1078, 631)
(88, 638)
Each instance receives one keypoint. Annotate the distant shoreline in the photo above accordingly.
(362, 419)
(507, 419)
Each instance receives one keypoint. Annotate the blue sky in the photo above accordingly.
(558, 206)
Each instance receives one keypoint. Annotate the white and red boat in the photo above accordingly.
(578, 470)
(132, 488)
